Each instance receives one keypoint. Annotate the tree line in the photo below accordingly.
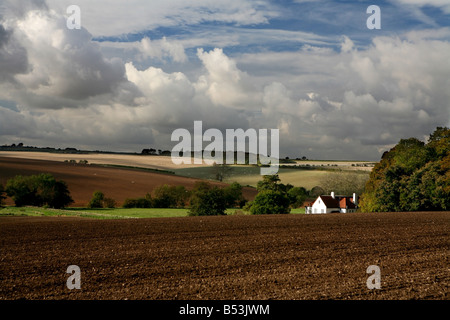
(203, 199)
(412, 176)
(37, 190)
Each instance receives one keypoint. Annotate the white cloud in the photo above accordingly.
(327, 103)
(162, 48)
(117, 17)
(225, 84)
(63, 62)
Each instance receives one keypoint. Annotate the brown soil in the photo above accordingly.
(279, 257)
(84, 180)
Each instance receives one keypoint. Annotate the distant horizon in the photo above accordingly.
(78, 150)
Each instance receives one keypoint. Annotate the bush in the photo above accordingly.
(129, 203)
(97, 200)
(207, 201)
(100, 201)
(59, 196)
(2, 192)
(270, 202)
(274, 197)
(166, 196)
(297, 195)
(139, 202)
(109, 203)
(38, 190)
(233, 196)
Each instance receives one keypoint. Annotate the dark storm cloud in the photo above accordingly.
(13, 57)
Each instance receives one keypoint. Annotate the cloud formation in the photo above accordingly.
(336, 102)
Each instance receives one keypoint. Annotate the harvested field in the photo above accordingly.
(151, 162)
(83, 180)
(280, 257)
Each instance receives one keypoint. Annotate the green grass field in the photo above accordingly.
(116, 213)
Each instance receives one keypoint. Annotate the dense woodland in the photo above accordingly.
(412, 176)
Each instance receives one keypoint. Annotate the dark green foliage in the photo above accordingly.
(139, 202)
(412, 176)
(58, 196)
(38, 190)
(316, 191)
(166, 196)
(109, 203)
(270, 202)
(207, 200)
(297, 196)
(97, 200)
(269, 182)
(233, 196)
(2, 194)
(273, 196)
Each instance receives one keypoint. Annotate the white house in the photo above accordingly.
(333, 203)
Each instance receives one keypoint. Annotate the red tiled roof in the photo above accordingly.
(347, 202)
(338, 202)
(330, 202)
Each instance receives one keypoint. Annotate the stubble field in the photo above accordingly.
(280, 257)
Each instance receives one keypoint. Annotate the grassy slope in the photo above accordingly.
(250, 175)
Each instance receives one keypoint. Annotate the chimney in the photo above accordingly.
(332, 194)
(355, 199)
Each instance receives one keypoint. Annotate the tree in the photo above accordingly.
(272, 197)
(439, 142)
(233, 195)
(269, 182)
(207, 200)
(109, 203)
(411, 176)
(2, 194)
(97, 200)
(22, 190)
(166, 196)
(38, 190)
(297, 196)
(316, 191)
(221, 171)
(145, 202)
(60, 195)
(270, 202)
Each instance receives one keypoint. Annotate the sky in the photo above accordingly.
(137, 70)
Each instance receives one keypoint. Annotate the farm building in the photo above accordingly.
(333, 203)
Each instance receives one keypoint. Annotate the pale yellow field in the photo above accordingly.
(344, 165)
(153, 162)
(158, 162)
(298, 178)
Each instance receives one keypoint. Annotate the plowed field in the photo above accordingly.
(228, 257)
(84, 180)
